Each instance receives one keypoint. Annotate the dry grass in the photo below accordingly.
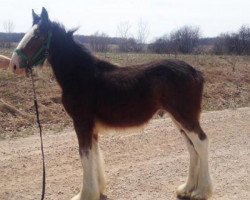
(227, 86)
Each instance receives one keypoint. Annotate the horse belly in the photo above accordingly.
(127, 116)
(103, 128)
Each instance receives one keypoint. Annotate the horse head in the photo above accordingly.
(33, 49)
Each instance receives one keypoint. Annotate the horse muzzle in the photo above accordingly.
(16, 64)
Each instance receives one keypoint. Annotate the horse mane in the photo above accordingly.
(71, 57)
(66, 38)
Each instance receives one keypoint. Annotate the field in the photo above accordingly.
(227, 86)
(144, 172)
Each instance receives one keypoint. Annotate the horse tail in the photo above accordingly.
(198, 89)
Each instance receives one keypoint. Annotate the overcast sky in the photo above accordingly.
(162, 16)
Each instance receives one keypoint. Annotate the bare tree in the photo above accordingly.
(8, 27)
(99, 42)
(123, 30)
(142, 35)
(220, 46)
(244, 37)
(127, 42)
(185, 39)
(234, 43)
(158, 46)
(163, 45)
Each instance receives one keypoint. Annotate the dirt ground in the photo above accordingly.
(145, 164)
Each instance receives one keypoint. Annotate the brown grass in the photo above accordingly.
(227, 86)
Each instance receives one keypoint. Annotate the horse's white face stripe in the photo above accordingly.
(15, 59)
(27, 37)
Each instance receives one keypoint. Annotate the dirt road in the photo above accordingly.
(144, 165)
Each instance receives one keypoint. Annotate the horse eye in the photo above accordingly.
(36, 34)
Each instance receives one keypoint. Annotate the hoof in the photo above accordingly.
(103, 197)
(198, 196)
(77, 197)
(184, 191)
(86, 196)
(203, 194)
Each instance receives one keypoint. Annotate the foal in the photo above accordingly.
(97, 92)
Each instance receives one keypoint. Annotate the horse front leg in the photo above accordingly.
(93, 179)
(100, 168)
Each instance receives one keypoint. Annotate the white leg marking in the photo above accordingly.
(90, 188)
(185, 190)
(204, 187)
(100, 169)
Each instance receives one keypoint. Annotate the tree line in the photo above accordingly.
(185, 40)
(234, 43)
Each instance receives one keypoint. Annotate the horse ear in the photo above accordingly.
(35, 17)
(44, 15)
(71, 32)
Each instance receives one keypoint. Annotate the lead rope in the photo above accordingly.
(40, 130)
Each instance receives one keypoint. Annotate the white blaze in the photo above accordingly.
(27, 37)
(15, 59)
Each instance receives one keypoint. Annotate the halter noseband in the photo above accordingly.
(34, 60)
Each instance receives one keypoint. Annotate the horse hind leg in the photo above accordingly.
(185, 190)
(201, 143)
(198, 185)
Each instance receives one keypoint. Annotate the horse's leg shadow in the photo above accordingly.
(104, 197)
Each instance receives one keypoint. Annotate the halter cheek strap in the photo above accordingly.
(34, 60)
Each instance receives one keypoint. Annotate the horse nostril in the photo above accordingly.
(14, 67)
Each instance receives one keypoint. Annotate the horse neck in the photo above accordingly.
(70, 63)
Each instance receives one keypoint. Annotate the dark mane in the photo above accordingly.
(66, 38)
(67, 55)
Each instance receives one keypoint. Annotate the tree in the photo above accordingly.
(244, 39)
(99, 42)
(123, 31)
(142, 35)
(8, 27)
(219, 46)
(185, 39)
(161, 45)
(234, 43)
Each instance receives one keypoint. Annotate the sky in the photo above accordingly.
(161, 16)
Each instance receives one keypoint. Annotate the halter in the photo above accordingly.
(33, 60)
